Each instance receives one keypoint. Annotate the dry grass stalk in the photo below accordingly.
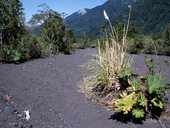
(110, 60)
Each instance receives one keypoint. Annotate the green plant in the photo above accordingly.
(142, 100)
(155, 83)
(139, 103)
(144, 94)
(126, 103)
(111, 59)
(125, 73)
(135, 84)
(16, 56)
(157, 102)
(138, 113)
(149, 64)
(135, 44)
(10, 54)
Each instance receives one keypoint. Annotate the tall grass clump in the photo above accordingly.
(112, 58)
(111, 66)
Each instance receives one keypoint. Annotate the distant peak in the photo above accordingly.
(82, 11)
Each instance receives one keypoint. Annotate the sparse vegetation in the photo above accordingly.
(115, 84)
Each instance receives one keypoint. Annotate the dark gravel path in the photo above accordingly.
(47, 87)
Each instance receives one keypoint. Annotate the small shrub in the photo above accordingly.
(155, 84)
(135, 44)
(16, 52)
(141, 101)
(34, 49)
(144, 94)
(126, 103)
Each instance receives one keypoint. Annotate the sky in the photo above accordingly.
(66, 6)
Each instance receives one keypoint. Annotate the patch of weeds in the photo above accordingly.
(115, 85)
(112, 68)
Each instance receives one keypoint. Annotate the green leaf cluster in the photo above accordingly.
(155, 83)
(138, 113)
(126, 103)
(125, 73)
(140, 100)
(157, 102)
(136, 85)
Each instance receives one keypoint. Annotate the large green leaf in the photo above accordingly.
(126, 103)
(138, 113)
(142, 100)
(157, 102)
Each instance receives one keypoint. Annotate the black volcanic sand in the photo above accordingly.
(48, 88)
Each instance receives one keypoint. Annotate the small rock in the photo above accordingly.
(7, 98)
(15, 112)
(16, 125)
(6, 107)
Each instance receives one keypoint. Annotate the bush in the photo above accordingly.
(68, 41)
(87, 41)
(144, 96)
(162, 41)
(34, 48)
(148, 45)
(135, 44)
(16, 52)
(162, 46)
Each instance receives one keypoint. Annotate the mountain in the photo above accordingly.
(78, 14)
(82, 12)
(149, 15)
(91, 21)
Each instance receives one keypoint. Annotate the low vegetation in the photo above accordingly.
(114, 83)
